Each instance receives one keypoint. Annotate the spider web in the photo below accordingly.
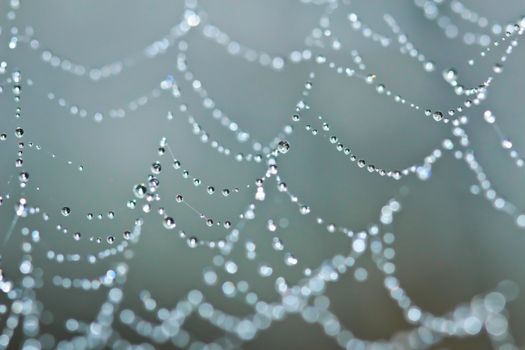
(207, 213)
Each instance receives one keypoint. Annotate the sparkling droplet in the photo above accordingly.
(66, 211)
(489, 117)
(429, 66)
(283, 147)
(370, 78)
(156, 168)
(450, 75)
(23, 177)
(21, 207)
(169, 223)
(139, 190)
(193, 242)
(506, 143)
(277, 244)
(290, 260)
(424, 172)
(19, 132)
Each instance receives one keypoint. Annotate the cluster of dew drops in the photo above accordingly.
(486, 312)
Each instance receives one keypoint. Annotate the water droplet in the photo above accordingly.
(450, 75)
(21, 207)
(489, 117)
(283, 146)
(429, 66)
(290, 260)
(506, 143)
(169, 223)
(193, 242)
(156, 168)
(265, 270)
(19, 132)
(277, 244)
(437, 115)
(140, 190)
(66, 211)
(192, 19)
(370, 78)
(305, 209)
(424, 172)
(23, 177)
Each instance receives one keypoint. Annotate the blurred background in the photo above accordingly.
(451, 245)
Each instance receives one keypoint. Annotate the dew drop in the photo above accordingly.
(169, 223)
(429, 66)
(283, 146)
(489, 117)
(450, 75)
(156, 168)
(277, 244)
(19, 132)
(139, 190)
(290, 260)
(193, 242)
(23, 177)
(506, 143)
